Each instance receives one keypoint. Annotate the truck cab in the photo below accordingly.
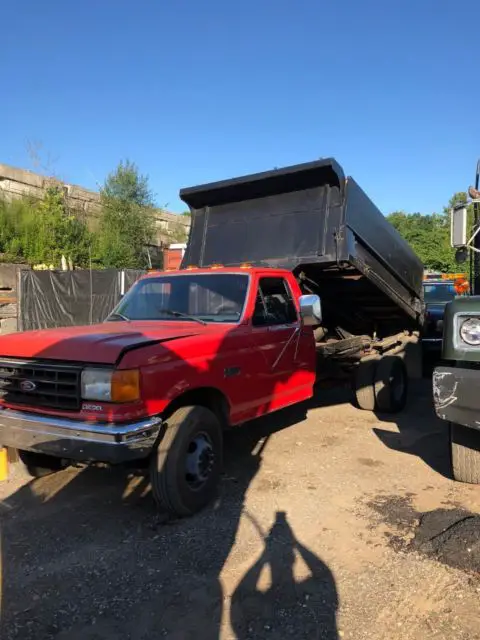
(456, 378)
(184, 355)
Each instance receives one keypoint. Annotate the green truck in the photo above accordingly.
(456, 380)
(456, 385)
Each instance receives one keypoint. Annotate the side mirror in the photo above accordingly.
(458, 229)
(310, 310)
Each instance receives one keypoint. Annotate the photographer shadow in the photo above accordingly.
(271, 599)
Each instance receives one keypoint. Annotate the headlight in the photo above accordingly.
(97, 384)
(470, 331)
(111, 386)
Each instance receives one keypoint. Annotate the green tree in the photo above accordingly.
(127, 222)
(42, 231)
(429, 235)
(55, 232)
(125, 184)
(12, 215)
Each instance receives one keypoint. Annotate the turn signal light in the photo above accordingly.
(126, 385)
(461, 286)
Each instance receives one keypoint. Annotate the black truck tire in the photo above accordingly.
(186, 465)
(391, 384)
(363, 384)
(465, 448)
(38, 465)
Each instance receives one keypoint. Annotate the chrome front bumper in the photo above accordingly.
(76, 440)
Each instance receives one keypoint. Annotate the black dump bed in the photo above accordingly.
(314, 221)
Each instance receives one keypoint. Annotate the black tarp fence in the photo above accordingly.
(48, 299)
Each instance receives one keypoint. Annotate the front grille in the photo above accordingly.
(40, 384)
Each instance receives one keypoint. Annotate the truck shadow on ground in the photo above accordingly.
(420, 432)
(86, 556)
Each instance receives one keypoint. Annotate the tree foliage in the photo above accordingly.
(41, 232)
(127, 223)
(126, 185)
(59, 232)
(429, 235)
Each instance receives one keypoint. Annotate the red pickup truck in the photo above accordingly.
(154, 381)
(189, 352)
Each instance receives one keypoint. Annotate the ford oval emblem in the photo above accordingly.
(27, 386)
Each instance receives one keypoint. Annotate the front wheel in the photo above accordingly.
(465, 448)
(186, 466)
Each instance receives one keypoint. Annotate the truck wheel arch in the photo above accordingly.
(208, 397)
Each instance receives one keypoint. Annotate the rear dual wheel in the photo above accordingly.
(381, 384)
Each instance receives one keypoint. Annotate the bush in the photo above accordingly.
(41, 232)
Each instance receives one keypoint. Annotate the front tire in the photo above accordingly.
(186, 466)
(38, 465)
(465, 448)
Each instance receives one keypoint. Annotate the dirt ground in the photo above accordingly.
(334, 523)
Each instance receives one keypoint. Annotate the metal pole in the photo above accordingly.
(476, 240)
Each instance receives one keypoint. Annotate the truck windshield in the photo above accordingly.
(212, 297)
(439, 292)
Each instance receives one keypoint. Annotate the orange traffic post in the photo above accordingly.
(3, 464)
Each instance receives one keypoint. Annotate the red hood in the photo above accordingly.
(101, 343)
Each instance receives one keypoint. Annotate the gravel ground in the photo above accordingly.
(333, 524)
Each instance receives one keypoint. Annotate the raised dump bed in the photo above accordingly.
(314, 221)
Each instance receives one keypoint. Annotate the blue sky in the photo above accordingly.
(198, 91)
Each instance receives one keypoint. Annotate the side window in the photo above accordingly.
(274, 303)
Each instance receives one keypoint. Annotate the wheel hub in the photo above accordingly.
(199, 461)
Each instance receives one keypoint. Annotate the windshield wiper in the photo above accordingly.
(119, 316)
(179, 314)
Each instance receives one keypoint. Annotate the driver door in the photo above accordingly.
(285, 350)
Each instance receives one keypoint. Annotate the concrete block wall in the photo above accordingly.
(17, 183)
